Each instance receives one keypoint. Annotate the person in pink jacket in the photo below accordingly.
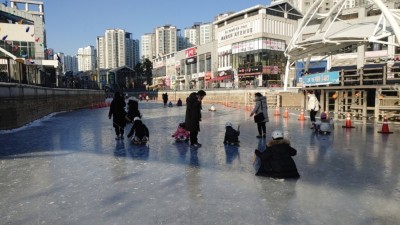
(181, 134)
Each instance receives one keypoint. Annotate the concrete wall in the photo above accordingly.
(22, 104)
(293, 99)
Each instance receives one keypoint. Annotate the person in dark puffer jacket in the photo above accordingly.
(231, 135)
(276, 161)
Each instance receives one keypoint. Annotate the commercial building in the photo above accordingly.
(24, 56)
(251, 45)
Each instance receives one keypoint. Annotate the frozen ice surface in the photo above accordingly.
(69, 169)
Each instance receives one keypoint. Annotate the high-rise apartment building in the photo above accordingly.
(101, 60)
(70, 63)
(131, 51)
(116, 49)
(206, 33)
(191, 35)
(166, 40)
(148, 46)
(198, 34)
(87, 58)
(136, 52)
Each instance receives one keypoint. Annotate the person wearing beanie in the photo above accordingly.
(325, 125)
(231, 135)
(193, 116)
(133, 109)
(139, 133)
(276, 161)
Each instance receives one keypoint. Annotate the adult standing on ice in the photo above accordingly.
(193, 116)
(260, 107)
(117, 112)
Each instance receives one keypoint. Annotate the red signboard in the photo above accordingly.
(190, 52)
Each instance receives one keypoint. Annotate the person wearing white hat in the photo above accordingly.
(139, 133)
(276, 161)
(231, 135)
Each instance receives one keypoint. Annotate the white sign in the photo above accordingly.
(240, 30)
(18, 32)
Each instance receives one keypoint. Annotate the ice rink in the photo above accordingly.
(69, 169)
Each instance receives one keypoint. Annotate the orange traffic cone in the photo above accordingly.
(348, 122)
(301, 117)
(385, 127)
(286, 113)
(277, 112)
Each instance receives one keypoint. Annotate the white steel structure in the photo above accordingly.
(327, 34)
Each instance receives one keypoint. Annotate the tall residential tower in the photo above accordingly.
(117, 48)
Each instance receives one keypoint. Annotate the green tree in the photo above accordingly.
(139, 75)
(147, 69)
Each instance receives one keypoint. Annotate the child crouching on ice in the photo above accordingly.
(139, 133)
(276, 161)
(181, 134)
(325, 125)
(231, 135)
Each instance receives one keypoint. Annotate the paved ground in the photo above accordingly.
(68, 169)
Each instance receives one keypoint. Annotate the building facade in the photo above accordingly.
(87, 58)
(116, 49)
(24, 54)
(148, 46)
(166, 40)
(206, 33)
(251, 45)
(70, 63)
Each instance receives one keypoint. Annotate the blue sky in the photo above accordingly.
(71, 24)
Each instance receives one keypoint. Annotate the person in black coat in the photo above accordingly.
(165, 98)
(193, 116)
(139, 132)
(231, 135)
(179, 103)
(117, 112)
(276, 160)
(133, 109)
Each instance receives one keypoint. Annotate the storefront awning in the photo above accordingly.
(249, 74)
(219, 78)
